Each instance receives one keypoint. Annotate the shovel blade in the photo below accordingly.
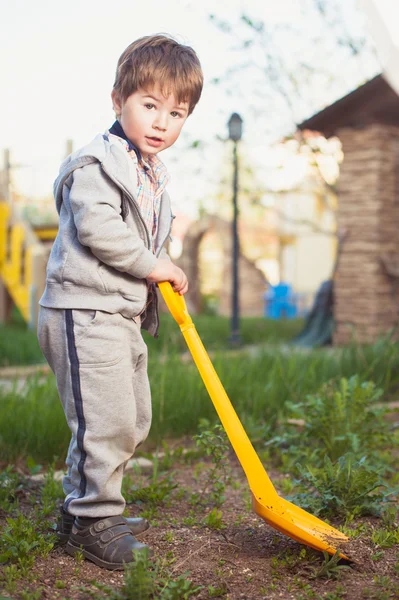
(299, 525)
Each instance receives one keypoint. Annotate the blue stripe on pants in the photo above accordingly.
(77, 396)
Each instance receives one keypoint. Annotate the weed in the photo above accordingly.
(51, 492)
(218, 591)
(389, 517)
(330, 567)
(10, 575)
(199, 467)
(156, 493)
(214, 444)
(239, 519)
(191, 519)
(247, 500)
(60, 585)
(180, 494)
(32, 467)
(377, 555)
(337, 594)
(21, 541)
(353, 532)
(36, 595)
(341, 418)
(10, 483)
(309, 592)
(168, 536)
(384, 538)
(145, 579)
(214, 519)
(287, 485)
(79, 556)
(346, 487)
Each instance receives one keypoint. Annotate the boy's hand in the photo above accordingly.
(165, 270)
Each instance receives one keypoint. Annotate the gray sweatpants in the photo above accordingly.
(100, 363)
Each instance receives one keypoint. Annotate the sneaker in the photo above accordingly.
(63, 528)
(107, 542)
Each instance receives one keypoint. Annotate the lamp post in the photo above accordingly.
(235, 133)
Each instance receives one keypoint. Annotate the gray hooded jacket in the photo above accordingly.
(101, 257)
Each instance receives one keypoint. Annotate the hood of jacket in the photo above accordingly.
(113, 159)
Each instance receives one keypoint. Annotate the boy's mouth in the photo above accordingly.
(154, 141)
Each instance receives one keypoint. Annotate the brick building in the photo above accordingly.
(366, 285)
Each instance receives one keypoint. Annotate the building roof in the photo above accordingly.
(373, 102)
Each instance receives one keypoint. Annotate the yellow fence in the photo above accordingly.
(22, 263)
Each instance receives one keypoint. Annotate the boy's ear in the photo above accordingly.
(116, 102)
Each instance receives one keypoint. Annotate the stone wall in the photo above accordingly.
(366, 287)
(252, 282)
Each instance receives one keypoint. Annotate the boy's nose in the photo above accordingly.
(160, 123)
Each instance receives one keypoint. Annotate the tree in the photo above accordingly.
(290, 67)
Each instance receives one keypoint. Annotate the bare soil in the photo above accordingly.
(245, 559)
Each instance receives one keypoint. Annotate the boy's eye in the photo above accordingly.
(175, 114)
(149, 105)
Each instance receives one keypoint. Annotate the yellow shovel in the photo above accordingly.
(277, 512)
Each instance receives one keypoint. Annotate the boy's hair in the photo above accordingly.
(159, 59)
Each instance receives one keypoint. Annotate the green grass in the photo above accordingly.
(19, 345)
(259, 387)
(32, 423)
(215, 332)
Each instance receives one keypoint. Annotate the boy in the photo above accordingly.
(100, 289)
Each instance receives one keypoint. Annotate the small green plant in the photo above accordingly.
(347, 487)
(389, 517)
(214, 444)
(342, 417)
(214, 519)
(10, 575)
(10, 482)
(287, 485)
(355, 531)
(155, 494)
(79, 556)
(191, 520)
(21, 541)
(384, 538)
(51, 492)
(217, 591)
(330, 568)
(36, 595)
(337, 594)
(145, 579)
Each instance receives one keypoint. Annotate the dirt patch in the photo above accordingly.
(246, 558)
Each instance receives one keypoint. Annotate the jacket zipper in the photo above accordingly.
(136, 206)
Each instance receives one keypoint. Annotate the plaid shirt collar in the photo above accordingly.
(153, 165)
(117, 129)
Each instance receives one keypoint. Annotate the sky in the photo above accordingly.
(57, 64)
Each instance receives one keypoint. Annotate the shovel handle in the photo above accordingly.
(175, 303)
(253, 468)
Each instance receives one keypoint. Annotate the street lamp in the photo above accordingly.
(235, 132)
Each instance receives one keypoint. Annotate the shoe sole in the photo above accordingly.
(62, 538)
(73, 550)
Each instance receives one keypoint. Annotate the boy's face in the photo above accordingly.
(151, 121)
